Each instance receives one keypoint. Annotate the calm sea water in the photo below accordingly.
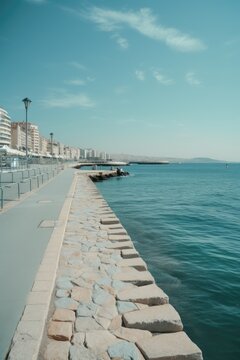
(184, 220)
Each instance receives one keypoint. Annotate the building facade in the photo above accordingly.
(5, 128)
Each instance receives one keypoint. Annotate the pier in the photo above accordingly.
(93, 296)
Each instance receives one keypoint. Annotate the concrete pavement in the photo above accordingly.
(23, 238)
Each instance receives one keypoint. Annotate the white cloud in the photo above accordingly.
(162, 79)
(63, 99)
(77, 65)
(192, 79)
(122, 42)
(76, 82)
(144, 22)
(140, 75)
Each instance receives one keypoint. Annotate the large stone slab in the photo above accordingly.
(120, 245)
(160, 318)
(148, 294)
(138, 278)
(81, 294)
(57, 350)
(60, 330)
(136, 263)
(129, 254)
(99, 340)
(124, 350)
(84, 324)
(64, 315)
(109, 220)
(175, 346)
(120, 231)
(132, 335)
(119, 238)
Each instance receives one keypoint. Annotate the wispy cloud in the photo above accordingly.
(77, 65)
(192, 79)
(122, 42)
(64, 99)
(161, 78)
(76, 82)
(144, 22)
(140, 75)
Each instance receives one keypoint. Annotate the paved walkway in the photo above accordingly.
(23, 239)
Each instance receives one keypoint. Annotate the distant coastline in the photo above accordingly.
(155, 159)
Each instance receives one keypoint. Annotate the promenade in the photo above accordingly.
(93, 297)
(23, 238)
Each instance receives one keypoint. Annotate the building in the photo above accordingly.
(18, 136)
(18, 142)
(35, 138)
(43, 145)
(5, 128)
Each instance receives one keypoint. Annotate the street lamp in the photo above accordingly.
(51, 134)
(27, 102)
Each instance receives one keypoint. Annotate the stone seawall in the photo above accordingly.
(105, 304)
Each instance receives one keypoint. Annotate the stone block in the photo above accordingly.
(66, 303)
(78, 338)
(136, 263)
(61, 331)
(116, 323)
(64, 315)
(120, 245)
(109, 220)
(124, 350)
(160, 318)
(34, 312)
(132, 335)
(84, 324)
(38, 297)
(42, 285)
(79, 352)
(148, 294)
(120, 231)
(175, 346)
(28, 330)
(138, 278)
(119, 238)
(125, 306)
(87, 310)
(99, 340)
(104, 322)
(57, 350)
(81, 294)
(24, 349)
(130, 254)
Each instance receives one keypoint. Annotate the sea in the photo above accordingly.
(184, 220)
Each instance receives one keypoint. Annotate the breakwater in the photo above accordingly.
(105, 304)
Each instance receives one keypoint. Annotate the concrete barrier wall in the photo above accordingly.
(105, 303)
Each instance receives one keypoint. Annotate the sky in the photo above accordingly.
(142, 77)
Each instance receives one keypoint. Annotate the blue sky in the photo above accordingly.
(155, 77)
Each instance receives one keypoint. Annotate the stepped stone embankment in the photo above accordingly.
(105, 303)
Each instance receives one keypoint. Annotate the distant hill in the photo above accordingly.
(136, 158)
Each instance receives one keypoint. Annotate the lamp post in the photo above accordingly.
(51, 135)
(27, 102)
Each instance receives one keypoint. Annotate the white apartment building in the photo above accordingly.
(18, 130)
(5, 128)
(35, 138)
(43, 145)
